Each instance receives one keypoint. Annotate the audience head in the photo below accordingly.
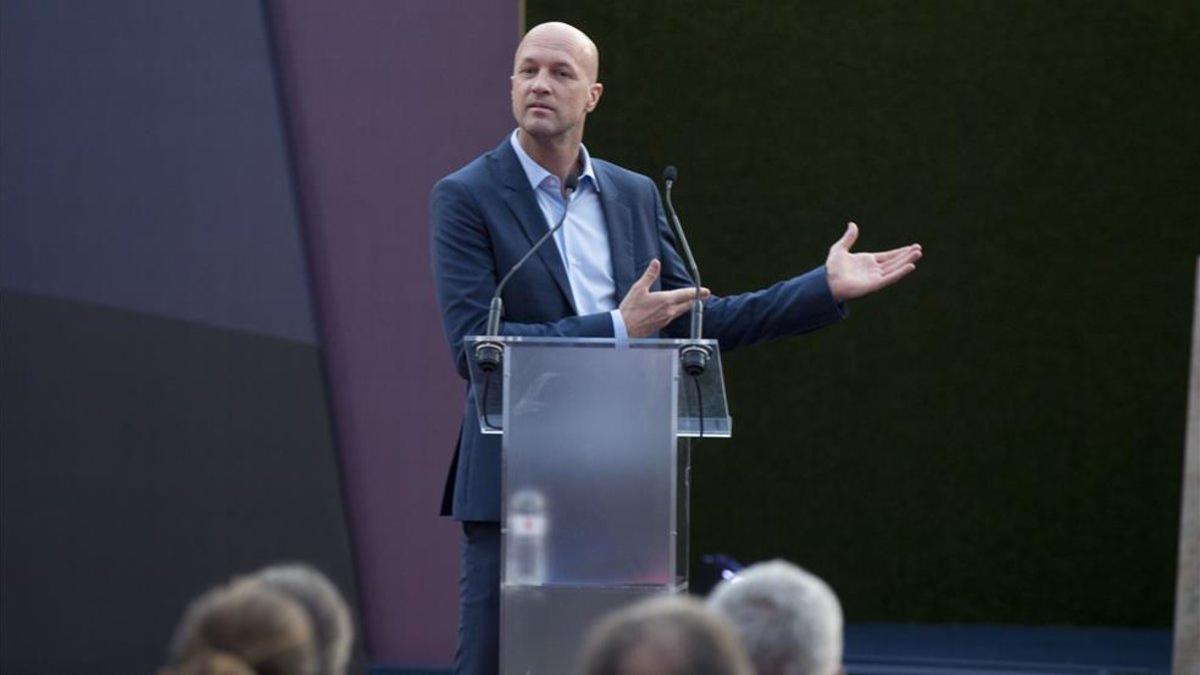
(333, 630)
(789, 620)
(243, 628)
(669, 635)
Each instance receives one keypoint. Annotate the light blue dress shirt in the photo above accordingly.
(583, 238)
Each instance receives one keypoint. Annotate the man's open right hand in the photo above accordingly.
(646, 312)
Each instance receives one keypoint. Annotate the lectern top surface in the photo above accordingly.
(640, 343)
(568, 371)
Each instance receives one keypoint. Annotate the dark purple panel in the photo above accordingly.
(384, 98)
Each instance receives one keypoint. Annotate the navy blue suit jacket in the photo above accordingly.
(484, 217)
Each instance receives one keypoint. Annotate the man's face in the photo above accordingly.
(552, 87)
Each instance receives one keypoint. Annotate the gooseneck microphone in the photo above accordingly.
(487, 353)
(693, 356)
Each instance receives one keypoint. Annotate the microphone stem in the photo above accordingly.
(697, 327)
(496, 309)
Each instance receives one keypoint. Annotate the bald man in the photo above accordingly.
(612, 272)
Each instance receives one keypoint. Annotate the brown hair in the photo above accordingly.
(242, 628)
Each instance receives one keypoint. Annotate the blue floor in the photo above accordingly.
(925, 649)
(880, 649)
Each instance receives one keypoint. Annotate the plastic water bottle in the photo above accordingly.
(527, 526)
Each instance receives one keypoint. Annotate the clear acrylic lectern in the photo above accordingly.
(595, 482)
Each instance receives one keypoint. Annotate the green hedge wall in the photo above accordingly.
(999, 438)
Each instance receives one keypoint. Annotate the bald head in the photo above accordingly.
(557, 35)
(554, 88)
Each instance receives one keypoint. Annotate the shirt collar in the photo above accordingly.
(538, 175)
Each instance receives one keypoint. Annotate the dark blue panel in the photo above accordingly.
(144, 163)
(143, 464)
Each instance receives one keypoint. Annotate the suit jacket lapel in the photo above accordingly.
(619, 222)
(521, 200)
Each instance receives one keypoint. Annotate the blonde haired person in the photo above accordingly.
(243, 628)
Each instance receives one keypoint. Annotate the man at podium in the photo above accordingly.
(612, 271)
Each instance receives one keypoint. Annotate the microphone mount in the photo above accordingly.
(694, 356)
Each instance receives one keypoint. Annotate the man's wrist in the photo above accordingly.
(620, 330)
(833, 283)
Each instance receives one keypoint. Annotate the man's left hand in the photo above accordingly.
(853, 275)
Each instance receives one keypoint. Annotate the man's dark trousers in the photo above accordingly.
(478, 650)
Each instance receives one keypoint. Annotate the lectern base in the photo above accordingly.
(543, 628)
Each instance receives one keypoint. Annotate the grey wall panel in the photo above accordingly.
(163, 418)
(144, 162)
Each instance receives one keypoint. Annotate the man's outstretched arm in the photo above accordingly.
(793, 306)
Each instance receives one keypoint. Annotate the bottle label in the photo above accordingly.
(528, 525)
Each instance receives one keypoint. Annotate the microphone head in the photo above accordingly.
(670, 174)
(570, 183)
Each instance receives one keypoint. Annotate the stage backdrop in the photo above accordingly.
(383, 99)
(999, 438)
(175, 179)
(164, 420)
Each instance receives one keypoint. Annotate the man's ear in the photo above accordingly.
(596, 90)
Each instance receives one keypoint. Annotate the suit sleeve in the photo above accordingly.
(790, 307)
(465, 276)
